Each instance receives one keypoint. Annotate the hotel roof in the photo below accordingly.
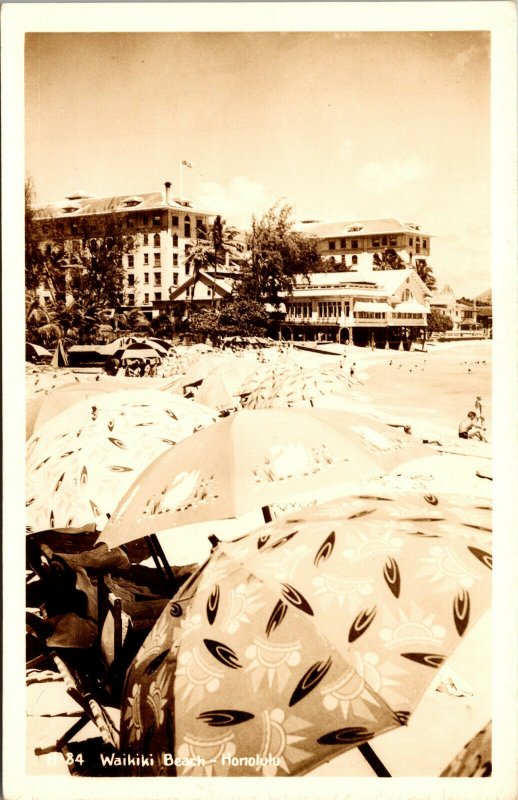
(80, 204)
(363, 227)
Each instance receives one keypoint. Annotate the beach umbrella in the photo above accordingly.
(475, 758)
(306, 638)
(47, 406)
(163, 343)
(79, 464)
(223, 384)
(36, 351)
(252, 459)
(286, 387)
(140, 350)
(202, 366)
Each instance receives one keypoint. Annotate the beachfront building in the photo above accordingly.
(462, 315)
(365, 244)
(381, 307)
(162, 228)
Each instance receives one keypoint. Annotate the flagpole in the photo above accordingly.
(181, 179)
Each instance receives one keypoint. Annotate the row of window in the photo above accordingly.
(157, 276)
(400, 315)
(376, 241)
(370, 314)
(354, 260)
(157, 261)
(131, 298)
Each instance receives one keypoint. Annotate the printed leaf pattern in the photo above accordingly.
(308, 645)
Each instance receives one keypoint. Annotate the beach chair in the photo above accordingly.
(98, 695)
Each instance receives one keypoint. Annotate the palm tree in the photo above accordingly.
(425, 272)
(209, 251)
(389, 259)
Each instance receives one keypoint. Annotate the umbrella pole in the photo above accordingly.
(161, 562)
(373, 761)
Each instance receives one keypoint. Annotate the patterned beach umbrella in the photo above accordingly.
(223, 384)
(252, 459)
(290, 386)
(307, 637)
(79, 464)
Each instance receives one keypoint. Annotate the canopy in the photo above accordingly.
(380, 308)
(410, 307)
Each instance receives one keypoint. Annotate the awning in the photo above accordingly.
(410, 307)
(378, 308)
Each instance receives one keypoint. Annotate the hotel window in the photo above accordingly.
(175, 240)
(174, 222)
(157, 259)
(156, 219)
(425, 243)
(131, 261)
(187, 227)
(146, 258)
(156, 240)
(158, 279)
(175, 259)
(74, 227)
(199, 225)
(417, 247)
(354, 244)
(384, 241)
(158, 295)
(410, 241)
(342, 244)
(175, 279)
(131, 280)
(144, 219)
(146, 298)
(131, 299)
(332, 245)
(393, 241)
(146, 277)
(375, 242)
(354, 260)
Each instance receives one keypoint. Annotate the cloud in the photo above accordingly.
(347, 149)
(236, 200)
(465, 57)
(379, 177)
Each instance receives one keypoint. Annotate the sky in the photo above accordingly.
(342, 126)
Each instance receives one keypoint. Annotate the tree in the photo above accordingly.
(438, 323)
(389, 259)
(236, 317)
(425, 272)
(278, 255)
(210, 249)
(82, 270)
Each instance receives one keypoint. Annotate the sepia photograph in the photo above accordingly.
(266, 424)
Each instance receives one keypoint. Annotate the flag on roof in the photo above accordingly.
(187, 164)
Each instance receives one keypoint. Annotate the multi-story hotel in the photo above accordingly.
(356, 245)
(161, 228)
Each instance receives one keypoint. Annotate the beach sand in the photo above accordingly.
(432, 391)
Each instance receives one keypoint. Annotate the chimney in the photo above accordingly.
(168, 193)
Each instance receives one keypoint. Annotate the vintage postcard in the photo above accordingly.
(259, 463)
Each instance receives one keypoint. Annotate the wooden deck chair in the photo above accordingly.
(92, 711)
(114, 630)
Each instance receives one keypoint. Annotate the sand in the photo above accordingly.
(432, 391)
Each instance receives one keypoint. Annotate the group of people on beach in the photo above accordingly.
(472, 426)
(133, 368)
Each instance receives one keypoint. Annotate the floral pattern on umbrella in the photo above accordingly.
(81, 462)
(306, 637)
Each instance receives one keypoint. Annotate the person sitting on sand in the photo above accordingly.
(468, 429)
